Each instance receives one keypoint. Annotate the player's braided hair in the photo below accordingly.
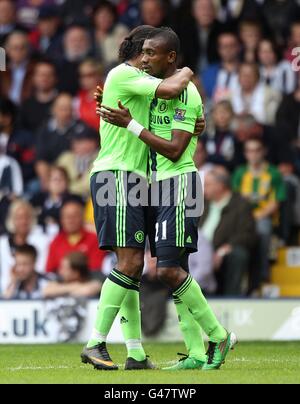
(133, 44)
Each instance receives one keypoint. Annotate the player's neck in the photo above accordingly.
(170, 72)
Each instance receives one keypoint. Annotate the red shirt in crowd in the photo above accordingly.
(62, 245)
(87, 110)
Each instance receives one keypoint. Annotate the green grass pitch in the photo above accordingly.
(252, 363)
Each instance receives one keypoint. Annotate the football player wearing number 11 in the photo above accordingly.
(121, 227)
(174, 177)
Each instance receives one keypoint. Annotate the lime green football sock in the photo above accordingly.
(113, 293)
(191, 331)
(191, 295)
(131, 325)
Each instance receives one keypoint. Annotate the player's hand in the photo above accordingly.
(200, 126)
(98, 97)
(119, 117)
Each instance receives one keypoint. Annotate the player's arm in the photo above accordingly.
(171, 149)
(173, 86)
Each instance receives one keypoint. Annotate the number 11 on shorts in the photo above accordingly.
(164, 231)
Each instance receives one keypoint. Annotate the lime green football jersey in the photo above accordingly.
(166, 116)
(120, 150)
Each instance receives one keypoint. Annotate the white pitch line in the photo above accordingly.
(121, 366)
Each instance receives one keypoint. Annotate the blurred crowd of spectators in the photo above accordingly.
(245, 56)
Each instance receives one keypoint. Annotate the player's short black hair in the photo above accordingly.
(132, 46)
(27, 250)
(168, 37)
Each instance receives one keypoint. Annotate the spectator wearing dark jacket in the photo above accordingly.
(288, 127)
(199, 34)
(8, 20)
(36, 109)
(221, 144)
(55, 136)
(16, 143)
(47, 37)
(228, 223)
(16, 81)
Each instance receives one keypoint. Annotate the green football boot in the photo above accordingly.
(217, 353)
(186, 363)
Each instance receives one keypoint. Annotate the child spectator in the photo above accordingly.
(25, 281)
(221, 144)
(75, 279)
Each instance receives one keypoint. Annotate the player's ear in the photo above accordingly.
(172, 57)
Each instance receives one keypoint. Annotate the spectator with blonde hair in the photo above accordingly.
(22, 229)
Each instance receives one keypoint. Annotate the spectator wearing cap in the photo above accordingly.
(47, 37)
(229, 226)
(8, 20)
(16, 81)
(108, 33)
(25, 282)
(90, 73)
(36, 109)
(73, 237)
(75, 279)
(77, 46)
(55, 136)
(79, 160)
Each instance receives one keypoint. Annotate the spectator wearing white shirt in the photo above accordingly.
(224, 76)
(25, 283)
(11, 184)
(255, 98)
(275, 73)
